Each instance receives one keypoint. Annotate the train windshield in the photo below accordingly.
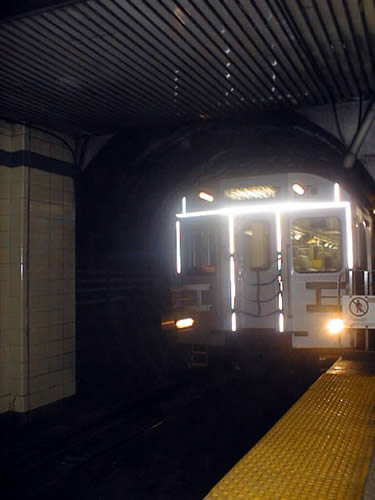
(360, 245)
(257, 245)
(198, 250)
(316, 244)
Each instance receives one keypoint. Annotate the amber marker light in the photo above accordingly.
(184, 323)
(167, 323)
(335, 326)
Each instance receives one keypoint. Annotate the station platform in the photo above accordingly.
(321, 448)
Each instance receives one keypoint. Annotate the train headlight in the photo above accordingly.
(184, 323)
(298, 189)
(335, 326)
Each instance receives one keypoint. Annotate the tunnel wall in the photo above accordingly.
(126, 223)
(37, 269)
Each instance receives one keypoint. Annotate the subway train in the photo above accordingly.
(272, 255)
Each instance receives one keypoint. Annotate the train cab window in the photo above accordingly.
(360, 245)
(256, 236)
(316, 243)
(198, 249)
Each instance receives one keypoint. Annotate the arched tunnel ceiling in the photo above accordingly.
(99, 65)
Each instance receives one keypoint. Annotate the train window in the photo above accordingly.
(198, 249)
(257, 245)
(360, 245)
(316, 244)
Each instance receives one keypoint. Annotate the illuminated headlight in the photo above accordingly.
(206, 196)
(298, 189)
(184, 323)
(335, 325)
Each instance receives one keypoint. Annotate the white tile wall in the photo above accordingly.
(5, 183)
(52, 300)
(37, 345)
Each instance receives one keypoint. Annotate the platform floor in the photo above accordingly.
(321, 448)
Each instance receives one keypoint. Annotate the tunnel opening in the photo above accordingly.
(125, 233)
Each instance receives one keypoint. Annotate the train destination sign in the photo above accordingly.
(251, 192)
(359, 311)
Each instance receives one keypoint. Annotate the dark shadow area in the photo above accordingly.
(176, 444)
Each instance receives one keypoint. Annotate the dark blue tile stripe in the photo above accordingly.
(36, 160)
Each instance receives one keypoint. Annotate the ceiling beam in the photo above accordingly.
(21, 8)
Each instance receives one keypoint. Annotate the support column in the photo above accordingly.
(37, 269)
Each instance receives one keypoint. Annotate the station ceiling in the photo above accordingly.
(99, 65)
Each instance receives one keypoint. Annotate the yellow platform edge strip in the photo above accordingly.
(320, 449)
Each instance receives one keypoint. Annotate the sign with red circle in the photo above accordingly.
(359, 311)
(358, 306)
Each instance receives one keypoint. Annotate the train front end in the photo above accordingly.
(266, 255)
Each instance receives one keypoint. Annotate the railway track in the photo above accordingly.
(54, 467)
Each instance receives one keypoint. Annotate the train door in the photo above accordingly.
(316, 250)
(256, 262)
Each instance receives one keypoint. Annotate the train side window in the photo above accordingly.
(316, 243)
(257, 245)
(198, 250)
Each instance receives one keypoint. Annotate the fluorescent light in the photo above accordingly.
(232, 268)
(336, 192)
(178, 247)
(183, 203)
(267, 208)
(349, 236)
(280, 301)
(184, 323)
(232, 283)
(279, 265)
(234, 322)
(298, 189)
(278, 232)
(231, 235)
(206, 196)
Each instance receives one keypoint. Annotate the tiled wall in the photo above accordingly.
(5, 183)
(37, 272)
